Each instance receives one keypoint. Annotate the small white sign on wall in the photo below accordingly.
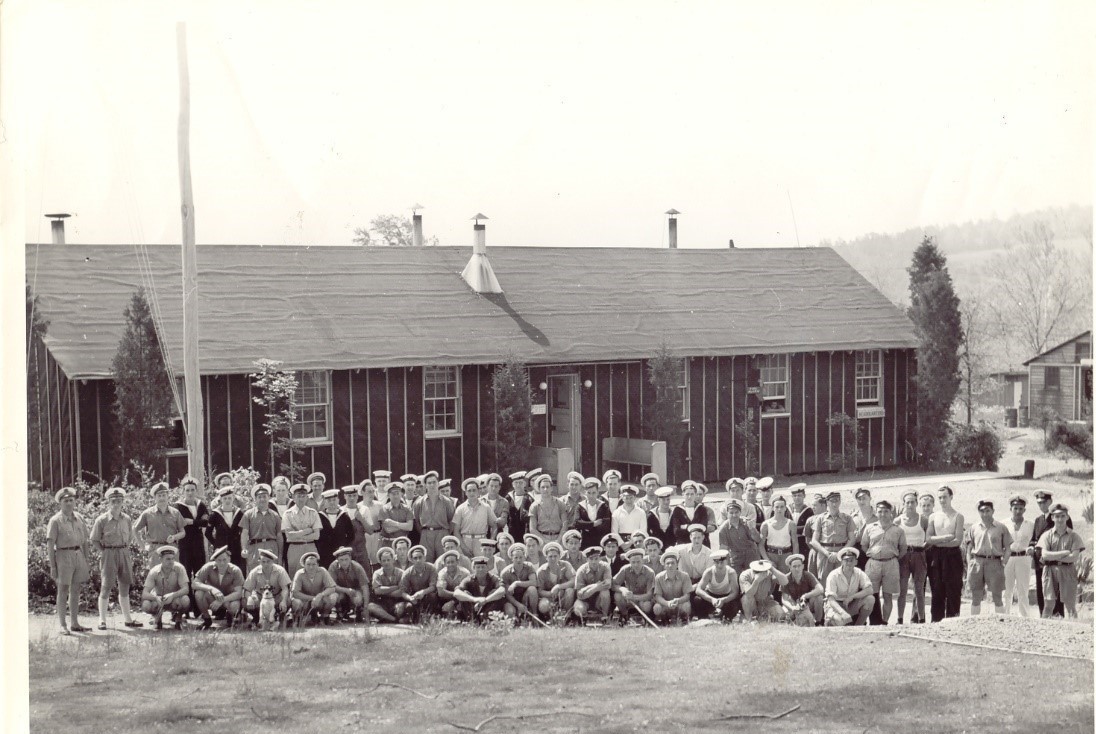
(540, 408)
(870, 411)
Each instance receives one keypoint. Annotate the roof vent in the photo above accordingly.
(416, 226)
(478, 273)
(57, 227)
(673, 228)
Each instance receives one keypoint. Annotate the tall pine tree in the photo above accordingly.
(143, 403)
(934, 310)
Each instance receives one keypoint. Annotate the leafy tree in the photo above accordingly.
(851, 455)
(934, 310)
(279, 394)
(748, 435)
(388, 230)
(143, 405)
(1045, 292)
(663, 415)
(512, 397)
(979, 334)
(36, 331)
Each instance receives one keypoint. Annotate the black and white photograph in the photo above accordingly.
(525, 367)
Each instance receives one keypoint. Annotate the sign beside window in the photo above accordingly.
(539, 408)
(870, 411)
(313, 406)
(441, 401)
(774, 384)
(869, 377)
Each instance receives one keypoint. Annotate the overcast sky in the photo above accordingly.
(576, 125)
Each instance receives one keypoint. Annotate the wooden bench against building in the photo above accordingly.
(637, 455)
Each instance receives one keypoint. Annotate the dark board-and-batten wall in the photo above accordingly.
(376, 420)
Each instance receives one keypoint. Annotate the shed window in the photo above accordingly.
(313, 405)
(1083, 351)
(441, 401)
(774, 384)
(1052, 379)
(869, 377)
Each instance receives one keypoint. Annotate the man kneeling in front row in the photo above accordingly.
(218, 588)
(850, 596)
(267, 573)
(167, 589)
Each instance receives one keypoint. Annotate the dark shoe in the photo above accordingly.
(177, 618)
(134, 623)
(159, 624)
(207, 621)
(103, 626)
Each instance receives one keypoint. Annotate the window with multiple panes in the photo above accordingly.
(869, 377)
(1052, 378)
(313, 406)
(774, 383)
(441, 400)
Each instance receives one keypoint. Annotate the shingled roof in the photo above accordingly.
(358, 307)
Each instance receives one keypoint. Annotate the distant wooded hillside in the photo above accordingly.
(977, 254)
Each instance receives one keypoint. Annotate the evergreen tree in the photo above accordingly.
(36, 330)
(143, 402)
(512, 397)
(934, 310)
(663, 416)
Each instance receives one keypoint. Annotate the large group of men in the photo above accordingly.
(587, 549)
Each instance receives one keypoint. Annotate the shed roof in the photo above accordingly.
(1055, 348)
(356, 307)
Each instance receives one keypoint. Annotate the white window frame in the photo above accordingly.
(427, 401)
(863, 377)
(324, 404)
(772, 366)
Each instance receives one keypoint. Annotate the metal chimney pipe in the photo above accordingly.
(416, 226)
(57, 227)
(673, 228)
(731, 243)
(416, 229)
(479, 241)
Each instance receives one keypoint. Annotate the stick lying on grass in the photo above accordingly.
(728, 717)
(412, 690)
(489, 719)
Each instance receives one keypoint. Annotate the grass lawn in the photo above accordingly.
(844, 680)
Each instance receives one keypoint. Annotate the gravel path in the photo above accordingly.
(1049, 636)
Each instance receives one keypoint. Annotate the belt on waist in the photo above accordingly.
(430, 528)
(1014, 554)
(300, 542)
(113, 547)
(474, 536)
(833, 545)
(915, 549)
(69, 547)
(986, 558)
(256, 541)
(882, 560)
(1057, 563)
(160, 542)
(771, 549)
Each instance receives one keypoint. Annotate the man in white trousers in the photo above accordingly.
(1018, 566)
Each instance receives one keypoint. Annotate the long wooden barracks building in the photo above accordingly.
(395, 346)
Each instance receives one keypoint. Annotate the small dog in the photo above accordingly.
(267, 607)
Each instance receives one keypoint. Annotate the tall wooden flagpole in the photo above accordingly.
(195, 433)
